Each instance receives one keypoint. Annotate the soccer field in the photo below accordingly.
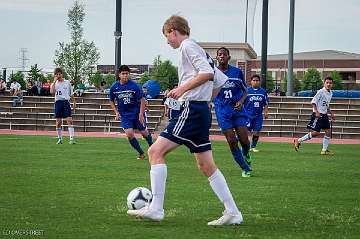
(79, 191)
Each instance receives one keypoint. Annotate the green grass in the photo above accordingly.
(79, 191)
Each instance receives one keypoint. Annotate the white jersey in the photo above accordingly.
(15, 86)
(322, 100)
(193, 61)
(63, 90)
(172, 103)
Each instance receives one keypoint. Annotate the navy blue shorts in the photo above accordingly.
(317, 124)
(191, 127)
(229, 118)
(62, 109)
(132, 122)
(255, 123)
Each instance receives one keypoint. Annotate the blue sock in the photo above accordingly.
(135, 144)
(245, 149)
(238, 157)
(254, 141)
(149, 139)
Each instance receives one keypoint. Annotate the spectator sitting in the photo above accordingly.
(146, 95)
(38, 85)
(31, 89)
(15, 90)
(45, 89)
(102, 85)
(80, 89)
(2, 86)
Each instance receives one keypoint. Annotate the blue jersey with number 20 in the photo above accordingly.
(256, 101)
(128, 97)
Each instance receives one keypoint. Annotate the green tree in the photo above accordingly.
(165, 72)
(96, 79)
(297, 84)
(337, 80)
(109, 79)
(77, 56)
(312, 79)
(19, 77)
(270, 84)
(35, 74)
(144, 78)
(49, 76)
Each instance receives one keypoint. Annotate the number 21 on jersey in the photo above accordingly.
(227, 94)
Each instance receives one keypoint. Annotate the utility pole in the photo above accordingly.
(246, 20)
(290, 80)
(264, 43)
(118, 35)
(23, 58)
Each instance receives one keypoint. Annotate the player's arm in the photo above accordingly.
(317, 113)
(314, 102)
(113, 107)
(266, 111)
(245, 94)
(198, 80)
(142, 110)
(332, 115)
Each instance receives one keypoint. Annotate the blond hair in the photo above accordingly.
(178, 23)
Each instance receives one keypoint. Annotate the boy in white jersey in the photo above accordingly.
(191, 128)
(319, 118)
(62, 90)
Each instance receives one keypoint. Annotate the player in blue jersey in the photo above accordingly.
(230, 112)
(130, 107)
(256, 102)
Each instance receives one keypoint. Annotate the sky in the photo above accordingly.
(39, 25)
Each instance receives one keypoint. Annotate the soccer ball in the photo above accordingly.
(138, 198)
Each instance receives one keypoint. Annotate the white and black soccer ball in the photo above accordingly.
(138, 198)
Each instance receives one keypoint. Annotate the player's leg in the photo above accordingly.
(217, 181)
(59, 130)
(158, 175)
(242, 134)
(257, 126)
(134, 142)
(236, 152)
(325, 125)
(313, 126)
(69, 121)
(144, 131)
(59, 116)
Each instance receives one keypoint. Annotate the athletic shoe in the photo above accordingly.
(141, 157)
(72, 141)
(248, 158)
(245, 174)
(59, 141)
(147, 213)
(326, 152)
(296, 145)
(227, 219)
(254, 150)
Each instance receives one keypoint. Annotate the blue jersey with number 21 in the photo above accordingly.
(233, 89)
(128, 97)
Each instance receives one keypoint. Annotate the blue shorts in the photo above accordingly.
(191, 127)
(132, 122)
(62, 109)
(317, 124)
(255, 123)
(229, 118)
(172, 114)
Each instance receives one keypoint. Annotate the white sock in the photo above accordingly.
(71, 132)
(326, 140)
(221, 189)
(158, 174)
(59, 133)
(305, 137)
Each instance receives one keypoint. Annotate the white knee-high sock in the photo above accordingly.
(71, 131)
(221, 189)
(326, 140)
(59, 133)
(305, 137)
(158, 174)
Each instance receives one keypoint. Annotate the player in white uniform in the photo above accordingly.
(62, 90)
(198, 82)
(319, 118)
